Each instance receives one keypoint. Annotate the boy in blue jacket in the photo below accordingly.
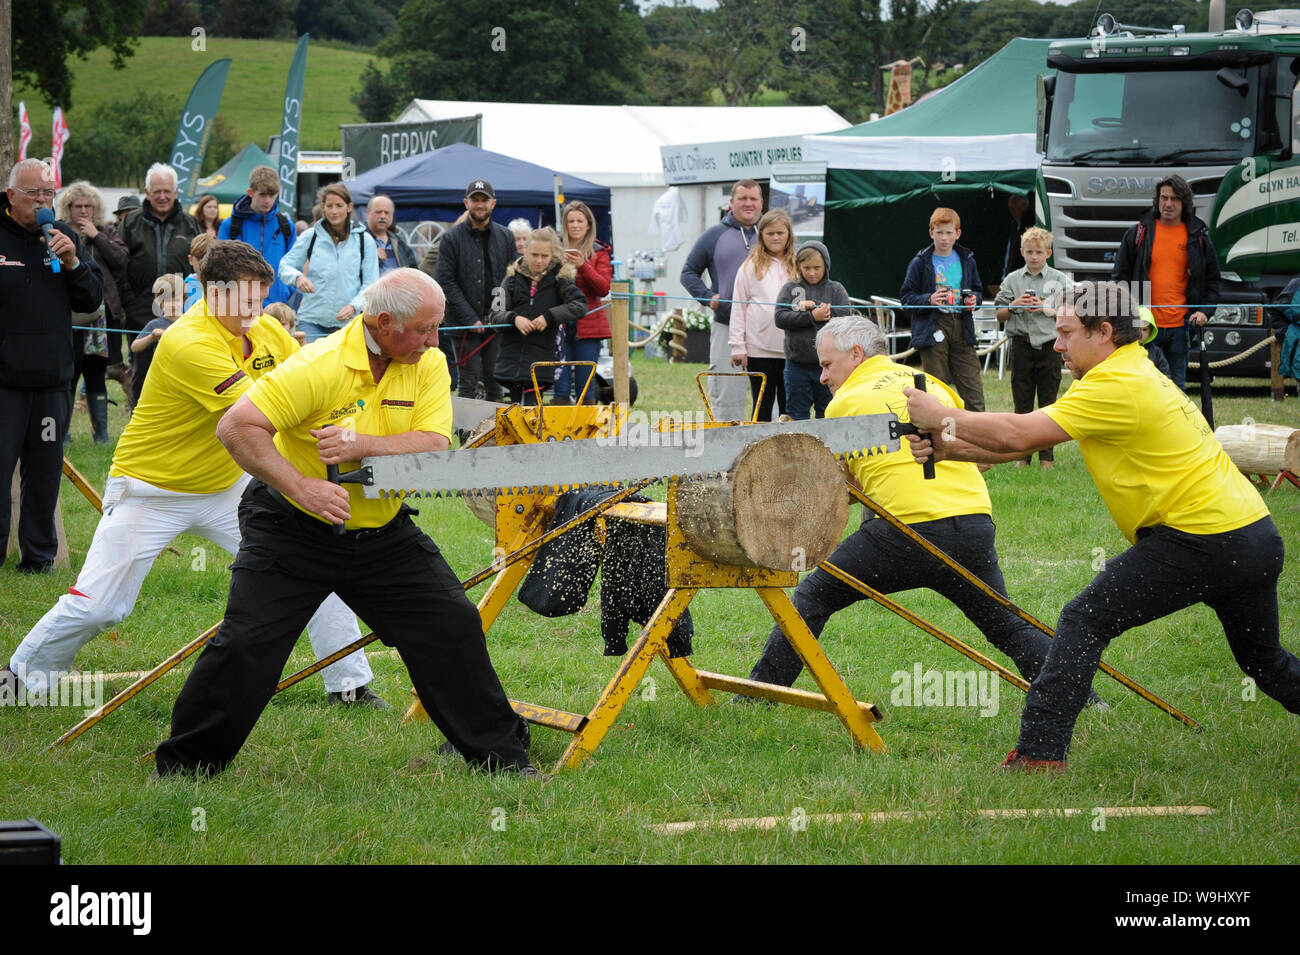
(256, 219)
(945, 276)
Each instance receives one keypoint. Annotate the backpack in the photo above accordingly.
(286, 228)
(361, 259)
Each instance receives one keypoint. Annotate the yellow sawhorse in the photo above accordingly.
(520, 518)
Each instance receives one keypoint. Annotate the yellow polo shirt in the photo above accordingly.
(330, 383)
(895, 480)
(198, 372)
(1150, 452)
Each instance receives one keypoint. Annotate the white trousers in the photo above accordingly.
(727, 396)
(139, 521)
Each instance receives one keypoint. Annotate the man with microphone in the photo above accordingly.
(44, 278)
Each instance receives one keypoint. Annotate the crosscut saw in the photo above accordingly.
(635, 454)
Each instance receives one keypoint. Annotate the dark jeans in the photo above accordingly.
(774, 389)
(1035, 374)
(480, 364)
(1234, 574)
(881, 557)
(569, 381)
(805, 391)
(397, 581)
(448, 345)
(1173, 344)
(32, 426)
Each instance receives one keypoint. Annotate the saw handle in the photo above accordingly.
(918, 382)
(332, 473)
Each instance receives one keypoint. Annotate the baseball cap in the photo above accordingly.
(480, 185)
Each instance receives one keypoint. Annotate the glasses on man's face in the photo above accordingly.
(38, 193)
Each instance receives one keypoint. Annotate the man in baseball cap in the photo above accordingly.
(472, 260)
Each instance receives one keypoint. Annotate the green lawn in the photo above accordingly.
(253, 101)
(314, 784)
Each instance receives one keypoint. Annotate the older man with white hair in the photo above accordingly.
(157, 236)
(46, 280)
(377, 386)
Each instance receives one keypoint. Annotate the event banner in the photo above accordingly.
(288, 161)
(367, 145)
(195, 128)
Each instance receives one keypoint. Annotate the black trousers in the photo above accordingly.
(773, 389)
(1234, 574)
(399, 584)
(32, 426)
(881, 557)
(1035, 374)
(480, 364)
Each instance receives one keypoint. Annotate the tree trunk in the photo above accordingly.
(1260, 448)
(781, 506)
(6, 87)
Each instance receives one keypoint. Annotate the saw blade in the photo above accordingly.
(636, 454)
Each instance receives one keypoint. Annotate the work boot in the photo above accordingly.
(1016, 763)
(361, 696)
(9, 687)
(99, 416)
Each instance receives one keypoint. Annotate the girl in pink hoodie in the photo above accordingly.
(757, 344)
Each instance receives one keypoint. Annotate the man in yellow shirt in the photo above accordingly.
(953, 512)
(1200, 531)
(377, 386)
(170, 475)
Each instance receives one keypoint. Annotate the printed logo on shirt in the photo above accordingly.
(394, 403)
(349, 409)
(6, 261)
(263, 361)
(228, 383)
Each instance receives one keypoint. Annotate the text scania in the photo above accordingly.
(74, 908)
(1121, 185)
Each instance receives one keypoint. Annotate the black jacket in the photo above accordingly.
(557, 298)
(1133, 260)
(919, 285)
(460, 271)
(36, 306)
(145, 236)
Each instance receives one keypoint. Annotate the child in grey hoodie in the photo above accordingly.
(803, 307)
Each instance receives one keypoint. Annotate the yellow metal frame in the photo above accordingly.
(522, 517)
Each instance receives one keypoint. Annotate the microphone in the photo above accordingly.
(45, 219)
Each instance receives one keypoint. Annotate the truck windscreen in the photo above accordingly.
(1150, 117)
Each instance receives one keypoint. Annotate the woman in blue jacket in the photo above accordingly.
(331, 264)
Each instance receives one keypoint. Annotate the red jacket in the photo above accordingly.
(593, 279)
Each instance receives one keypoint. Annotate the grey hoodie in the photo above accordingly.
(800, 326)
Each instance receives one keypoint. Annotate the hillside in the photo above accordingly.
(252, 100)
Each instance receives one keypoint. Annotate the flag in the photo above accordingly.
(195, 128)
(25, 131)
(58, 139)
(288, 160)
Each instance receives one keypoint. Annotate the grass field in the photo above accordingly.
(315, 784)
(253, 99)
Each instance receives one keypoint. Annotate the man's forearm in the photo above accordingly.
(254, 450)
(408, 442)
(1000, 433)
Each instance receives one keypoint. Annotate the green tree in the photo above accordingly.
(118, 143)
(47, 34)
(255, 18)
(675, 70)
(571, 51)
(363, 22)
(170, 18)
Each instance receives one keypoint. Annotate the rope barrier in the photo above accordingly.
(1235, 358)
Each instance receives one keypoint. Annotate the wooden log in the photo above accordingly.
(1257, 448)
(1292, 453)
(781, 506)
